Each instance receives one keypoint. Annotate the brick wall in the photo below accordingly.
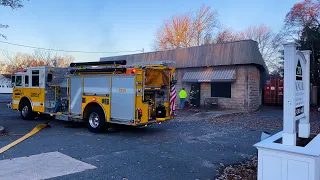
(245, 91)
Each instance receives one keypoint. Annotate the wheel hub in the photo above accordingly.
(25, 111)
(94, 120)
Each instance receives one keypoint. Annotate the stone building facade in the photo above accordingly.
(246, 90)
(233, 73)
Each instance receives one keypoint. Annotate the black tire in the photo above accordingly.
(96, 125)
(26, 111)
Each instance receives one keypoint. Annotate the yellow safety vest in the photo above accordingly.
(183, 94)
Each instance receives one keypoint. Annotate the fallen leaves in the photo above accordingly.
(246, 170)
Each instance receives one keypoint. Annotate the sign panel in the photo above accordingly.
(299, 90)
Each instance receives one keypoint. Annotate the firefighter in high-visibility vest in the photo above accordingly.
(183, 96)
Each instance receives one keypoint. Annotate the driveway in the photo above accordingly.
(191, 146)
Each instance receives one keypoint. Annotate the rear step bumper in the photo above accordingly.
(150, 122)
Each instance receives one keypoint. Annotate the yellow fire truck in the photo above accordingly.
(98, 93)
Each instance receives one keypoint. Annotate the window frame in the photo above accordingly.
(49, 77)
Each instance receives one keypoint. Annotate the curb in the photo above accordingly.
(1, 129)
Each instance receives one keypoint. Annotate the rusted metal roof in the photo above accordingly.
(217, 74)
(232, 53)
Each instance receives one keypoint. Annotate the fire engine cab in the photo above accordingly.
(98, 93)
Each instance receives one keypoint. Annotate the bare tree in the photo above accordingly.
(208, 39)
(175, 33)
(269, 43)
(228, 35)
(14, 4)
(5, 27)
(16, 62)
(51, 58)
(204, 22)
(186, 30)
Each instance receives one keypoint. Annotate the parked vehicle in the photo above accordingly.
(98, 93)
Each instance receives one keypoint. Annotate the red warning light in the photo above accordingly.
(133, 71)
(94, 99)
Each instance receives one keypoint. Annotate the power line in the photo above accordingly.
(60, 50)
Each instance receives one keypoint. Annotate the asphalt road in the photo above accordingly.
(4, 97)
(192, 146)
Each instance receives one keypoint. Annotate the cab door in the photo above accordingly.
(17, 93)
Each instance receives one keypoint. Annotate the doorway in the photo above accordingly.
(195, 95)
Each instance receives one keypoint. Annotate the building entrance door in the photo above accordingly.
(195, 95)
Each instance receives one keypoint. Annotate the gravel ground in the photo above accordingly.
(192, 146)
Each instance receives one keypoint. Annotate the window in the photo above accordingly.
(221, 89)
(35, 81)
(18, 80)
(35, 78)
(49, 78)
(26, 81)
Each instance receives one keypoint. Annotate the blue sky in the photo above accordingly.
(123, 25)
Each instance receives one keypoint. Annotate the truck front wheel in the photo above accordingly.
(96, 120)
(26, 111)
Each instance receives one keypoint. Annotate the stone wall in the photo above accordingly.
(245, 91)
(254, 88)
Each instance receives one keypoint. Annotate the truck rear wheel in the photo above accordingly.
(26, 111)
(96, 120)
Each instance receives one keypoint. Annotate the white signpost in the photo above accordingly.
(288, 155)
